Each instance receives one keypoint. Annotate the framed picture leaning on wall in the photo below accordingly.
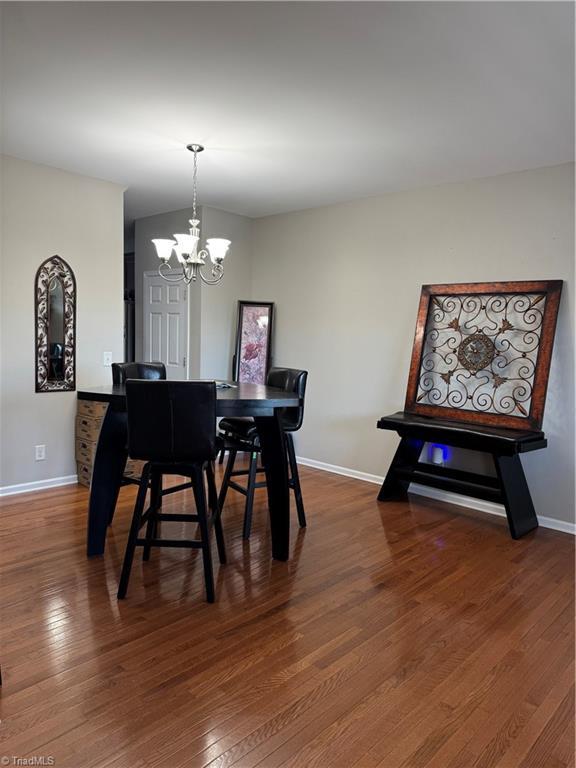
(482, 352)
(253, 351)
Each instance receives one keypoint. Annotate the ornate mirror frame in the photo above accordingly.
(55, 268)
(482, 352)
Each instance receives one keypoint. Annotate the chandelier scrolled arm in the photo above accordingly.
(185, 246)
(217, 273)
(177, 279)
(191, 273)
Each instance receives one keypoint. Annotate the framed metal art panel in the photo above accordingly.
(482, 352)
(55, 326)
(253, 341)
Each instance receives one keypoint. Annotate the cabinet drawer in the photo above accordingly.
(91, 408)
(84, 474)
(87, 428)
(85, 451)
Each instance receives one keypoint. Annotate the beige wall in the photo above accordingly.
(220, 302)
(45, 212)
(346, 281)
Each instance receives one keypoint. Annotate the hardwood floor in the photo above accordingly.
(398, 635)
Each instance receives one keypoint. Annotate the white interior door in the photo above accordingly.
(166, 324)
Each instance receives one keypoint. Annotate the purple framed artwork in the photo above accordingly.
(253, 341)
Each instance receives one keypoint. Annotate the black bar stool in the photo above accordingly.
(123, 371)
(172, 427)
(146, 371)
(240, 434)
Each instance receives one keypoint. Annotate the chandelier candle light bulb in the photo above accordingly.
(185, 246)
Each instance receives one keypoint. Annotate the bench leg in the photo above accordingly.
(405, 458)
(516, 494)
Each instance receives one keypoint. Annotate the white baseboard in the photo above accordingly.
(489, 507)
(38, 485)
(335, 469)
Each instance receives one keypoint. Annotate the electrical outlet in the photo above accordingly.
(106, 358)
(39, 452)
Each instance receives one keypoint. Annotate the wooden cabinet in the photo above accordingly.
(89, 417)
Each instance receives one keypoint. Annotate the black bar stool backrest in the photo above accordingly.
(123, 371)
(171, 421)
(290, 380)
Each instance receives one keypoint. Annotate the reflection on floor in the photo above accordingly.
(401, 634)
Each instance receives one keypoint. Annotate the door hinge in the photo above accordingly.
(184, 362)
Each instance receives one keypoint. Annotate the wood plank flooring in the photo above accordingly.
(399, 635)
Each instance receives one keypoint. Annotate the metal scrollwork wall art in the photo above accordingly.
(482, 352)
(55, 318)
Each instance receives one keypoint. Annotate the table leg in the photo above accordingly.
(109, 463)
(275, 464)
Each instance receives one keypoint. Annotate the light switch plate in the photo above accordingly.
(106, 358)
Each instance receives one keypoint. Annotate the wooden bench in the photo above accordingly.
(509, 487)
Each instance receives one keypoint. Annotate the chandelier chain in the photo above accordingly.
(194, 182)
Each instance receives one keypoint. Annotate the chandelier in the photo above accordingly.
(185, 246)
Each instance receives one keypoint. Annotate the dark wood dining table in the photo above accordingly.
(263, 403)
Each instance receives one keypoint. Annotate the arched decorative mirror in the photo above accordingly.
(55, 308)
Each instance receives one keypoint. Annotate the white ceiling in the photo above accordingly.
(298, 104)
